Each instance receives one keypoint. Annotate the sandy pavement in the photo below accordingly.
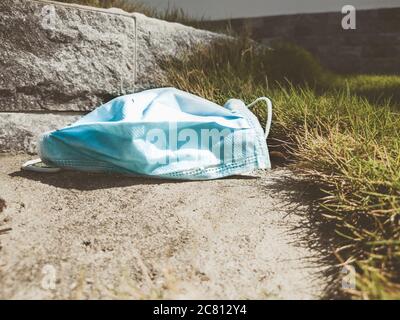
(75, 235)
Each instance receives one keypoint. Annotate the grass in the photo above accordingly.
(376, 88)
(341, 132)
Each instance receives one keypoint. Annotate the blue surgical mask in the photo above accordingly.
(165, 133)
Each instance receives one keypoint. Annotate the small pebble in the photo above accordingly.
(2, 205)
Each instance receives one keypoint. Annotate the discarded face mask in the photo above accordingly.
(165, 133)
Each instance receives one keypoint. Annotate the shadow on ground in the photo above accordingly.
(94, 181)
(318, 233)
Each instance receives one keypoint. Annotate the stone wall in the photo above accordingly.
(374, 47)
(59, 57)
(58, 61)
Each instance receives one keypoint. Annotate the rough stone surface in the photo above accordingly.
(76, 235)
(19, 132)
(57, 57)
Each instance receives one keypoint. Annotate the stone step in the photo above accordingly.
(19, 132)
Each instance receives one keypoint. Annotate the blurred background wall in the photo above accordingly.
(224, 9)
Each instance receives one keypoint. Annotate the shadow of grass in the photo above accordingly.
(317, 232)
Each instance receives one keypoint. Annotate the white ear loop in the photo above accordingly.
(269, 113)
(30, 166)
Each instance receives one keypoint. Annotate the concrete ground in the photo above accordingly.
(74, 235)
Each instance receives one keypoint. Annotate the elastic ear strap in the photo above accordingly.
(30, 166)
(269, 113)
